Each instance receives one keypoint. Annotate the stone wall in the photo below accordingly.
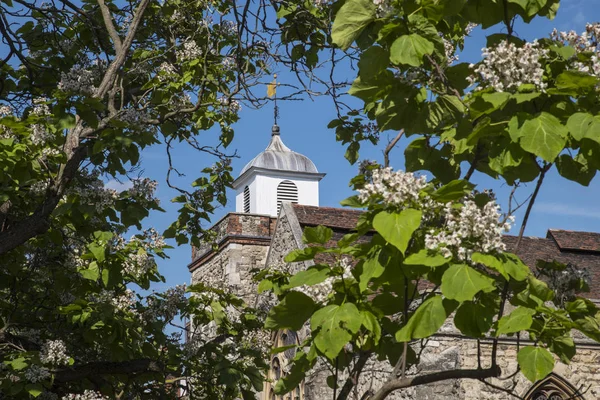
(243, 242)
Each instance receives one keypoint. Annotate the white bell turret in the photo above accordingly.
(276, 175)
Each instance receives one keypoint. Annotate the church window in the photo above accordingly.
(280, 364)
(553, 387)
(286, 191)
(246, 199)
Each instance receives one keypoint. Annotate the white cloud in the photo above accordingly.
(118, 186)
(565, 210)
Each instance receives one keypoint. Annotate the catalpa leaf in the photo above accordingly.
(410, 49)
(397, 228)
(535, 362)
(334, 326)
(350, 21)
(518, 320)
(461, 282)
(427, 319)
(543, 136)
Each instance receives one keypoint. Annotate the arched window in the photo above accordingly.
(246, 199)
(286, 191)
(553, 387)
(280, 364)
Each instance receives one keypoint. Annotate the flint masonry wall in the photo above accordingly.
(241, 243)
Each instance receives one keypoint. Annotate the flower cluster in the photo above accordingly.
(35, 374)
(122, 302)
(231, 104)
(398, 188)
(86, 395)
(506, 67)
(139, 264)
(79, 79)
(450, 51)
(321, 291)
(143, 190)
(54, 352)
(228, 28)
(586, 42)
(165, 70)
(5, 110)
(189, 51)
(134, 117)
(168, 307)
(469, 229)
(93, 192)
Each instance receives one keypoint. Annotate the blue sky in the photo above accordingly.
(561, 204)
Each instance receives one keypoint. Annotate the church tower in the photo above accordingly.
(276, 175)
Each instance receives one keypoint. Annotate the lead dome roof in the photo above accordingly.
(279, 157)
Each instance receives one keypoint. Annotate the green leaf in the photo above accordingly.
(518, 320)
(453, 190)
(307, 253)
(427, 319)
(311, 276)
(564, 348)
(369, 269)
(98, 251)
(535, 362)
(335, 325)
(318, 234)
(543, 136)
(578, 124)
(372, 62)
(350, 20)
(371, 323)
(575, 169)
(461, 282)
(574, 82)
(397, 228)
(291, 313)
(34, 389)
(301, 365)
(352, 201)
(410, 49)
(92, 272)
(506, 264)
(427, 258)
(474, 319)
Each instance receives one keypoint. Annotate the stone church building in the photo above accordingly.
(277, 195)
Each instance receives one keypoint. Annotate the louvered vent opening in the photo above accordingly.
(286, 191)
(246, 200)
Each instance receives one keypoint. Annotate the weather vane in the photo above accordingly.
(272, 92)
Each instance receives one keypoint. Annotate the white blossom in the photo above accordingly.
(586, 42)
(139, 264)
(231, 104)
(469, 229)
(54, 352)
(122, 302)
(228, 28)
(78, 80)
(506, 67)
(143, 190)
(86, 395)
(5, 110)
(35, 374)
(189, 51)
(394, 187)
(320, 291)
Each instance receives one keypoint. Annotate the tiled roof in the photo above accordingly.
(576, 241)
(335, 218)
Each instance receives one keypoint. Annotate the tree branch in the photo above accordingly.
(400, 383)
(353, 377)
(110, 27)
(389, 147)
